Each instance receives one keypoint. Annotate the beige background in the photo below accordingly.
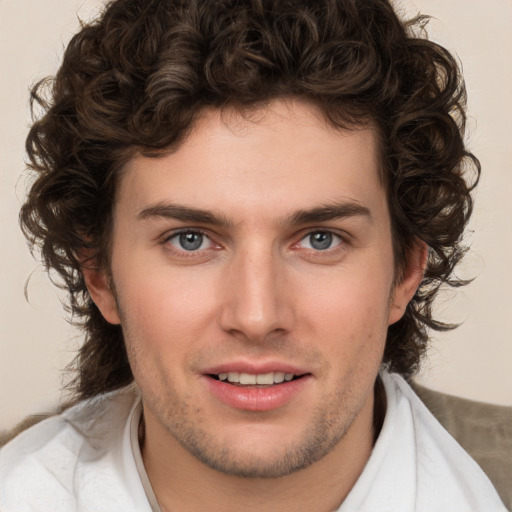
(474, 361)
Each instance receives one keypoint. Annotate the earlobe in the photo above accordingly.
(413, 274)
(100, 290)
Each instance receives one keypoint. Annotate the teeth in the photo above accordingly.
(278, 377)
(246, 379)
(264, 379)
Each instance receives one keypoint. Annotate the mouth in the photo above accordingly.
(263, 387)
(241, 379)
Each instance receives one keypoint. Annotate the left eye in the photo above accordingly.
(190, 241)
(320, 241)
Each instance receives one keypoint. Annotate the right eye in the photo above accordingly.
(190, 241)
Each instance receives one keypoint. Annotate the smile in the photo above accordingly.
(257, 391)
(261, 379)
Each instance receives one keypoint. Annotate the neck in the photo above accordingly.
(181, 482)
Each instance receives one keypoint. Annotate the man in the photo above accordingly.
(253, 205)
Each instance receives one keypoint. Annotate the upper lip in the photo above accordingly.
(253, 368)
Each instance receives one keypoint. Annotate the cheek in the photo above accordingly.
(161, 308)
(350, 312)
(352, 298)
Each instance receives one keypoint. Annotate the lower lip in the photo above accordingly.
(256, 398)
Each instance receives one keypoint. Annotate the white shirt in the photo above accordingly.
(88, 460)
(417, 466)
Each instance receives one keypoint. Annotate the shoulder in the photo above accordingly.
(444, 472)
(483, 430)
(39, 467)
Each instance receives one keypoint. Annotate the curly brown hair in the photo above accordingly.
(135, 80)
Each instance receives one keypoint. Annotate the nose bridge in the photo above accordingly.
(256, 302)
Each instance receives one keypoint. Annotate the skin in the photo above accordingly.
(257, 291)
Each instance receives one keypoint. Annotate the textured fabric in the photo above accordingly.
(79, 461)
(483, 430)
(417, 466)
(84, 460)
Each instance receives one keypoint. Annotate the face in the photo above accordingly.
(253, 274)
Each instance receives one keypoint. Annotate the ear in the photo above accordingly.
(413, 274)
(100, 289)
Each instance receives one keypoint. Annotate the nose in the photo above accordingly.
(257, 301)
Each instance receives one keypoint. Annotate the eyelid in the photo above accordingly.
(175, 233)
(334, 235)
(172, 233)
(214, 244)
(180, 231)
(304, 233)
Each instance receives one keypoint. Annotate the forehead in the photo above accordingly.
(271, 160)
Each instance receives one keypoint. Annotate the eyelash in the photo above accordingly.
(216, 246)
(331, 234)
(183, 252)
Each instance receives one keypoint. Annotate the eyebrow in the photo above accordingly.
(196, 215)
(184, 213)
(330, 212)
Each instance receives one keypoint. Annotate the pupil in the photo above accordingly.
(191, 241)
(321, 240)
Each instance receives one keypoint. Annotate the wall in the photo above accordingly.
(473, 361)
